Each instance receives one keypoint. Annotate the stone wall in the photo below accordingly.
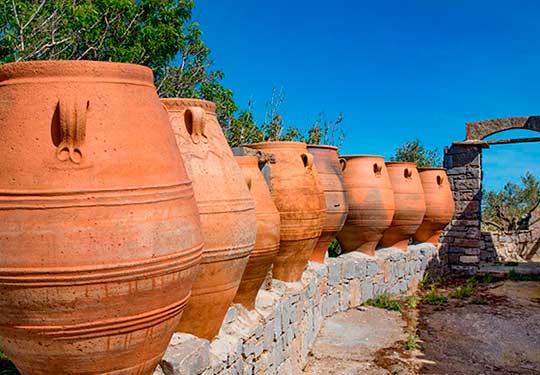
(463, 237)
(277, 336)
(504, 247)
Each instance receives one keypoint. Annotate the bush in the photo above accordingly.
(433, 297)
(384, 302)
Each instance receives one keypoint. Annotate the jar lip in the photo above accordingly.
(431, 169)
(361, 156)
(74, 70)
(276, 144)
(401, 163)
(329, 147)
(183, 103)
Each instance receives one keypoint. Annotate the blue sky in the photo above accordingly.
(397, 70)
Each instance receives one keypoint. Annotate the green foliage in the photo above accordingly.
(412, 301)
(517, 276)
(326, 132)
(465, 291)
(334, 249)
(510, 209)
(412, 343)
(478, 301)
(384, 302)
(414, 151)
(6, 366)
(433, 297)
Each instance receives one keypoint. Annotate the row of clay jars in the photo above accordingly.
(100, 230)
(227, 213)
(393, 202)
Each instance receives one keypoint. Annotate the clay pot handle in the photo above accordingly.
(248, 181)
(307, 158)
(343, 163)
(440, 180)
(72, 128)
(377, 169)
(194, 118)
(407, 173)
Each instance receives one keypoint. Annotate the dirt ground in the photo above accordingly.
(495, 331)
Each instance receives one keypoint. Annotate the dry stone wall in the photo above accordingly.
(278, 335)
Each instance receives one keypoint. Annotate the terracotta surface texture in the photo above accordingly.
(100, 235)
(330, 169)
(226, 208)
(297, 193)
(371, 203)
(410, 204)
(439, 204)
(267, 240)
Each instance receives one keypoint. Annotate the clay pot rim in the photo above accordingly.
(401, 163)
(278, 144)
(67, 70)
(422, 169)
(329, 147)
(362, 156)
(183, 103)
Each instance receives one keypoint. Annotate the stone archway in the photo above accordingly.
(463, 239)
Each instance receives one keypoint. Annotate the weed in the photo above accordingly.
(462, 292)
(384, 302)
(516, 276)
(479, 301)
(412, 343)
(510, 264)
(412, 302)
(426, 281)
(434, 298)
(6, 366)
(487, 279)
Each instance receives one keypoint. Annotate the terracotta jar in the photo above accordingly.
(439, 204)
(227, 213)
(371, 203)
(100, 232)
(329, 167)
(410, 204)
(296, 191)
(267, 240)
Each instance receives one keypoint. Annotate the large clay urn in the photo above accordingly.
(100, 234)
(371, 203)
(410, 204)
(330, 167)
(296, 191)
(267, 240)
(439, 204)
(227, 213)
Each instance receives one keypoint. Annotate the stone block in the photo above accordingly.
(186, 355)
(334, 272)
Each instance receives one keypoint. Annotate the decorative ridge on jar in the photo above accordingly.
(66, 70)
(182, 103)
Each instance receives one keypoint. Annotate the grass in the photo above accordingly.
(412, 343)
(384, 302)
(516, 276)
(478, 301)
(433, 297)
(426, 281)
(6, 367)
(462, 292)
(412, 302)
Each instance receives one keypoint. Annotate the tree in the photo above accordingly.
(510, 209)
(326, 132)
(414, 151)
(156, 33)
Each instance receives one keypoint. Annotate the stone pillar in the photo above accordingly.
(462, 237)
